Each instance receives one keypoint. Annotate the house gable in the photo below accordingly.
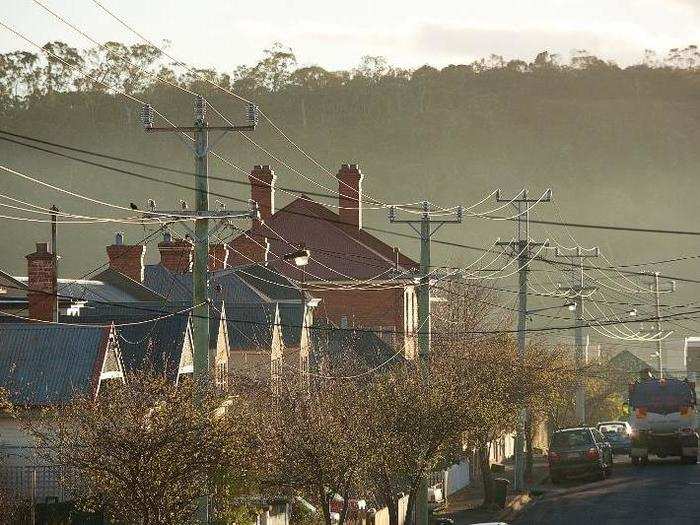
(221, 352)
(111, 365)
(186, 364)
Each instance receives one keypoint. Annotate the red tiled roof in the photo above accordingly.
(340, 251)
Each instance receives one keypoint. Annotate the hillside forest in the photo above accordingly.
(613, 143)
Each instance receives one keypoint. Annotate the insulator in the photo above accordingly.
(392, 213)
(252, 114)
(147, 116)
(200, 109)
(460, 213)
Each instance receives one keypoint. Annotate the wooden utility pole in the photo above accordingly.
(655, 287)
(578, 292)
(54, 251)
(201, 215)
(524, 256)
(425, 232)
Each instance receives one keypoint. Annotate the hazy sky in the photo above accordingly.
(334, 34)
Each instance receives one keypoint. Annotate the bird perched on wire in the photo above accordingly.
(151, 205)
(183, 204)
(133, 206)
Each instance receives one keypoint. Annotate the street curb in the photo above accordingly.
(518, 504)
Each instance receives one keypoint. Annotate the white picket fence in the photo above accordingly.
(381, 517)
(456, 478)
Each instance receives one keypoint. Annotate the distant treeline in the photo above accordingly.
(24, 75)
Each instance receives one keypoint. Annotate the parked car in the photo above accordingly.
(578, 452)
(619, 434)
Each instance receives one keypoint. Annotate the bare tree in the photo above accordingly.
(143, 452)
(311, 439)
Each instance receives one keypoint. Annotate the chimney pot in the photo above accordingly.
(246, 250)
(262, 190)
(125, 258)
(350, 195)
(41, 273)
(176, 254)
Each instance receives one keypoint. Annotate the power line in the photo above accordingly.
(692, 314)
(237, 199)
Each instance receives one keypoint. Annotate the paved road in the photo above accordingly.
(663, 492)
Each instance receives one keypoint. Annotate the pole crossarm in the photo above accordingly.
(193, 129)
(546, 196)
(184, 214)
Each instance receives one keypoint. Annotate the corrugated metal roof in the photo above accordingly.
(365, 346)
(91, 290)
(269, 282)
(245, 285)
(250, 326)
(48, 364)
(158, 343)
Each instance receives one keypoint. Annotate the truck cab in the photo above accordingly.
(663, 419)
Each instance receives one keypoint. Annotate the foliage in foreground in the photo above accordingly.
(143, 452)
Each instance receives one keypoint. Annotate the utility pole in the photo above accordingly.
(202, 215)
(655, 287)
(578, 290)
(524, 255)
(54, 250)
(428, 227)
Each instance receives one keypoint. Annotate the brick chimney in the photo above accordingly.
(262, 190)
(245, 250)
(218, 257)
(41, 270)
(176, 254)
(350, 198)
(126, 259)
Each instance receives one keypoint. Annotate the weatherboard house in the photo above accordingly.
(42, 366)
(252, 306)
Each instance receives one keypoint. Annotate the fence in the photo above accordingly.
(381, 517)
(22, 477)
(456, 478)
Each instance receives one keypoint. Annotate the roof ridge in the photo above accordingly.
(348, 230)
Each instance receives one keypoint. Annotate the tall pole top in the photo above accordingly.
(200, 111)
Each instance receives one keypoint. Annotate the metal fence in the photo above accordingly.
(22, 476)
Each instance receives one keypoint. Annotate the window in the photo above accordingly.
(571, 439)
(613, 427)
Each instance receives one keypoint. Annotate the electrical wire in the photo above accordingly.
(86, 325)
